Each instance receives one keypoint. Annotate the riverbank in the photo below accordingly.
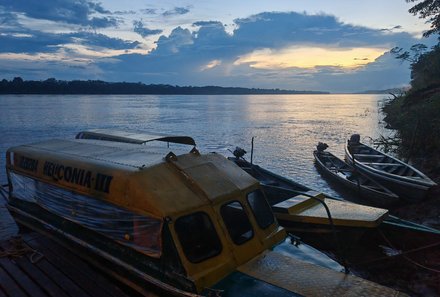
(426, 212)
(416, 118)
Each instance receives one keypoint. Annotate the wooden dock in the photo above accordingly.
(8, 228)
(34, 265)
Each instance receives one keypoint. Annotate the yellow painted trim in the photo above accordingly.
(343, 214)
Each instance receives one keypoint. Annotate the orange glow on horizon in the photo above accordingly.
(310, 57)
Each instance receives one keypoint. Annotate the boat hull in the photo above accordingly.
(283, 195)
(404, 188)
(256, 277)
(278, 186)
(123, 264)
(378, 196)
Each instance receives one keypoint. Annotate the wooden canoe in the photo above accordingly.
(367, 188)
(401, 178)
(298, 210)
(404, 234)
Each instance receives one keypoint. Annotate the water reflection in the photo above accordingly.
(286, 127)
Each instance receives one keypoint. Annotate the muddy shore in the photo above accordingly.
(426, 212)
(424, 277)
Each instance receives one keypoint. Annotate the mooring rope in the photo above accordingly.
(403, 254)
(17, 248)
(417, 249)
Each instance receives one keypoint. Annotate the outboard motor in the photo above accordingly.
(239, 152)
(321, 147)
(354, 139)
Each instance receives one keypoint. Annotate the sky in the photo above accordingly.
(319, 45)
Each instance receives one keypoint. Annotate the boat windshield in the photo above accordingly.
(261, 209)
(237, 222)
(198, 237)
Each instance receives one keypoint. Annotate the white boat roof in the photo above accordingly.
(133, 137)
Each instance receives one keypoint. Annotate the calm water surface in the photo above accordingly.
(286, 127)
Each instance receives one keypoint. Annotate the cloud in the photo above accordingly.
(275, 30)
(150, 11)
(139, 28)
(207, 23)
(30, 41)
(176, 42)
(208, 55)
(104, 22)
(260, 52)
(124, 12)
(211, 64)
(97, 7)
(41, 67)
(101, 40)
(398, 27)
(176, 11)
(8, 19)
(79, 12)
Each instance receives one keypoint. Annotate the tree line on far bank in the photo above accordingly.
(53, 86)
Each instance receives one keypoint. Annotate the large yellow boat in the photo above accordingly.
(178, 223)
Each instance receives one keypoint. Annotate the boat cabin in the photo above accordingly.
(183, 218)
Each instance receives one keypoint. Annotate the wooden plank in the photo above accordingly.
(368, 155)
(108, 287)
(2, 294)
(80, 276)
(10, 287)
(8, 227)
(39, 277)
(60, 279)
(21, 278)
(382, 164)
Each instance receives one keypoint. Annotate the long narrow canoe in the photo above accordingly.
(401, 178)
(347, 175)
(402, 232)
(298, 210)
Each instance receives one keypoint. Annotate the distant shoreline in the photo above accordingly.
(19, 86)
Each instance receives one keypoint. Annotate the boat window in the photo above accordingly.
(237, 222)
(198, 237)
(261, 209)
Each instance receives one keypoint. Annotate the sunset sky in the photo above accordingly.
(336, 46)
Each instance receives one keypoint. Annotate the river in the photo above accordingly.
(286, 127)
(286, 130)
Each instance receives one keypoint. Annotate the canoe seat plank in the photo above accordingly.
(383, 164)
(345, 170)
